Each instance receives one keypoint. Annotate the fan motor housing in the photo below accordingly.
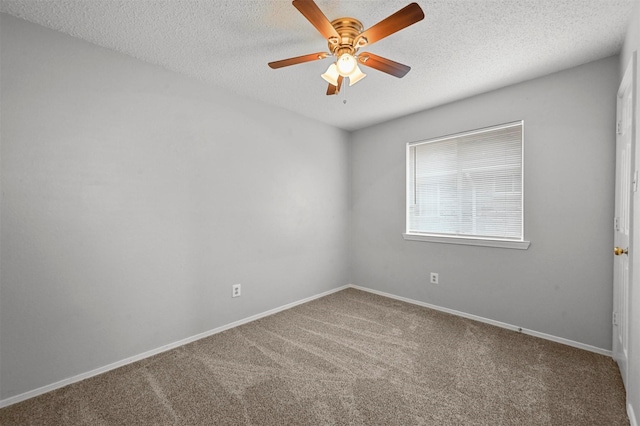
(349, 29)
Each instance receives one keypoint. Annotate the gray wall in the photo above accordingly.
(631, 45)
(133, 198)
(561, 285)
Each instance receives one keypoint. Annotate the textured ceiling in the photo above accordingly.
(461, 48)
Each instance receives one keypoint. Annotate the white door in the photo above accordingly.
(624, 189)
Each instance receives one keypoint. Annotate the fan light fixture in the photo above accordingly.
(345, 66)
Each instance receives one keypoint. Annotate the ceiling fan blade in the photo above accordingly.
(298, 60)
(396, 69)
(334, 90)
(406, 16)
(312, 12)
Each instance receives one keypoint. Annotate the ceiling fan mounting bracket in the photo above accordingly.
(348, 29)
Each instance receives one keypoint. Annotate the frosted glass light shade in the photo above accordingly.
(331, 75)
(346, 64)
(356, 76)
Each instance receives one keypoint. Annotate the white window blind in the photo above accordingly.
(467, 185)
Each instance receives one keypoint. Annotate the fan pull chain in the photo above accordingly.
(344, 91)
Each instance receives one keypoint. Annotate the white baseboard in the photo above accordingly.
(490, 321)
(632, 415)
(48, 388)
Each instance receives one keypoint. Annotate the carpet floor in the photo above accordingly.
(350, 358)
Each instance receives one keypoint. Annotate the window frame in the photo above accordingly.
(472, 240)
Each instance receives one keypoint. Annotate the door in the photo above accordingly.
(622, 224)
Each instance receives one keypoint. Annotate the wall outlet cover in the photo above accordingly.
(235, 290)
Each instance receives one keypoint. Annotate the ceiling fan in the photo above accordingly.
(345, 36)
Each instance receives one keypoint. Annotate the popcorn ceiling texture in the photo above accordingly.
(461, 48)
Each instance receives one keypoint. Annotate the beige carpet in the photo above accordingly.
(351, 358)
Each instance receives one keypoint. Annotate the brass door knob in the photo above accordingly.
(618, 251)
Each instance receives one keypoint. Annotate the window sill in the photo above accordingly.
(519, 245)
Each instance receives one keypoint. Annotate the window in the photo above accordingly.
(467, 188)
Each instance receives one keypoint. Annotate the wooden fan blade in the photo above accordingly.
(396, 69)
(298, 60)
(334, 90)
(312, 12)
(406, 16)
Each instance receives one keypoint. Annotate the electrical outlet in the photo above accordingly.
(434, 278)
(235, 290)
